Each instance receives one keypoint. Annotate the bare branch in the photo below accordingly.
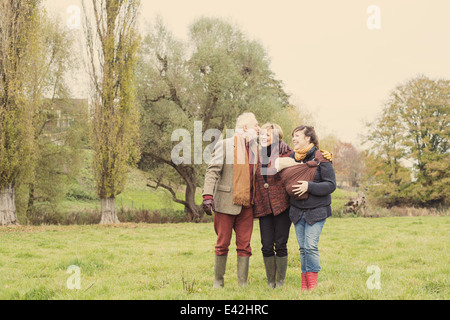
(158, 184)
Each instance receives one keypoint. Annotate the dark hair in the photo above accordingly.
(309, 132)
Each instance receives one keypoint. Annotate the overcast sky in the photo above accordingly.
(331, 63)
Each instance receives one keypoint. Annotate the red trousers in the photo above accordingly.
(243, 227)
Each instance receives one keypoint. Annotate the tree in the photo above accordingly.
(18, 39)
(347, 163)
(329, 142)
(414, 128)
(112, 43)
(59, 122)
(424, 106)
(218, 74)
(386, 173)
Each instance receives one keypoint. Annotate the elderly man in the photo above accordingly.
(229, 192)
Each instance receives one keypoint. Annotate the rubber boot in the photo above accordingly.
(242, 270)
(281, 267)
(304, 282)
(220, 264)
(312, 278)
(269, 263)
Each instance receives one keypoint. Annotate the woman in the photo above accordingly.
(272, 205)
(309, 215)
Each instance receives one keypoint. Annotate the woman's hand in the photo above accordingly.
(327, 155)
(300, 188)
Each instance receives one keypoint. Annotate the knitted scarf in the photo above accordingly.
(300, 154)
(241, 172)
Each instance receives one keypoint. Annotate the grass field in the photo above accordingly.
(137, 195)
(175, 261)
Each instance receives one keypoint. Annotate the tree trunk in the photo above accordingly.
(109, 214)
(191, 209)
(30, 200)
(8, 215)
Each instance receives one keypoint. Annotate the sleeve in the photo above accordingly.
(287, 154)
(214, 170)
(327, 182)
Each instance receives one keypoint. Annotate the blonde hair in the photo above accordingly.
(273, 127)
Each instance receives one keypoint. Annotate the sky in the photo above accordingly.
(331, 59)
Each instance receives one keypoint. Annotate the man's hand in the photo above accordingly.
(208, 205)
(300, 188)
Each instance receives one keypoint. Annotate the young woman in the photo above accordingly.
(309, 215)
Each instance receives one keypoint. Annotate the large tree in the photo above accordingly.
(424, 106)
(409, 144)
(112, 43)
(18, 40)
(347, 164)
(208, 80)
(59, 122)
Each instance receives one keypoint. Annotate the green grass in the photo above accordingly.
(136, 194)
(150, 261)
(340, 197)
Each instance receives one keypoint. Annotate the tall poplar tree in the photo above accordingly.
(112, 42)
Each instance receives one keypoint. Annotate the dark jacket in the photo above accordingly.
(318, 205)
(273, 199)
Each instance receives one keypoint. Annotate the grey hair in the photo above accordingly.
(243, 120)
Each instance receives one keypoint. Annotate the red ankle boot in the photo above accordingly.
(304, 282)
(311, 278)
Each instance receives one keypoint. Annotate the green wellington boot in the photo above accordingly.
(281, 267)
(269, 263)
(220, 264)
(242, 270)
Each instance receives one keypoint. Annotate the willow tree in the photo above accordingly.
(209, 80)
(112, 42)
(18, 24)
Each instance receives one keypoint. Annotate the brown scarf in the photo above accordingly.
(241, 172)
(300, 154)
